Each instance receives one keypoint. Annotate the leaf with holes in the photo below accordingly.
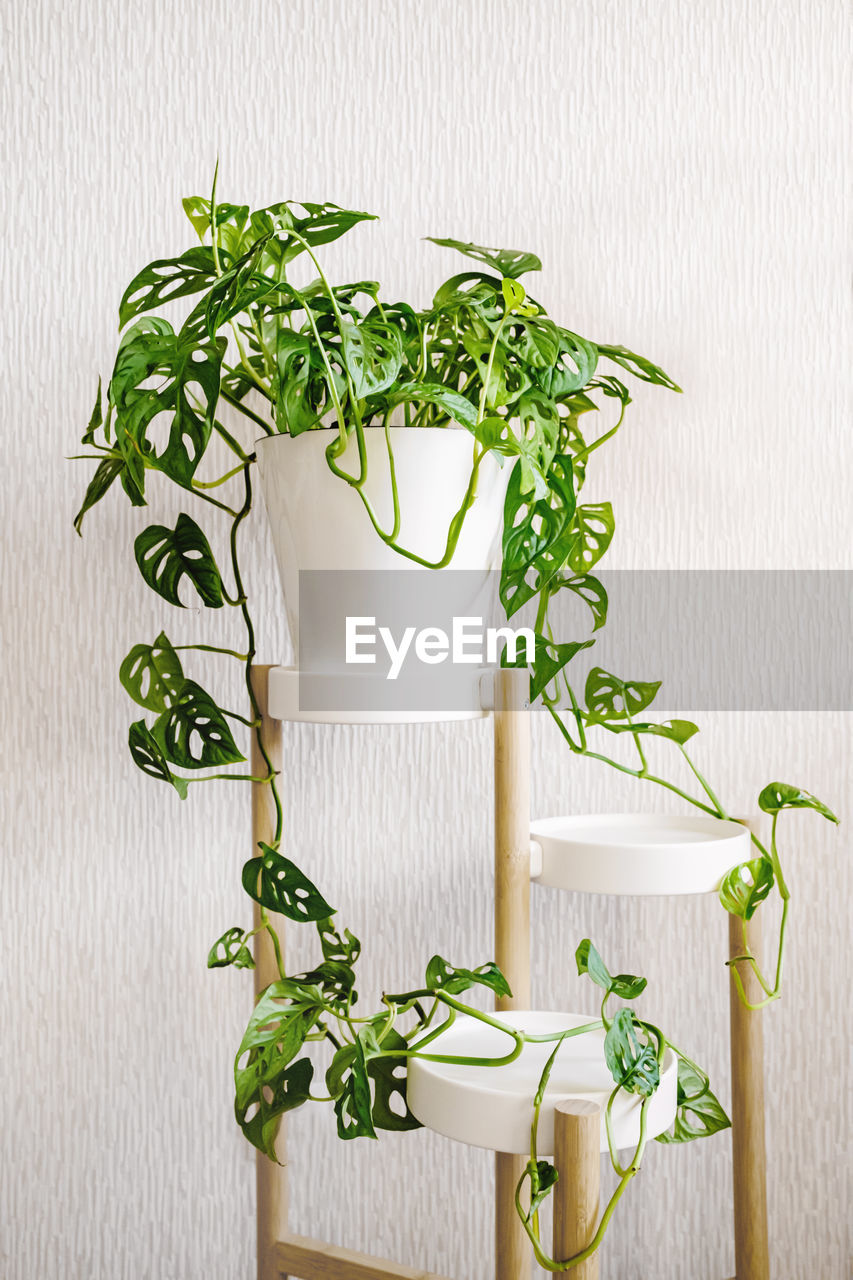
(278, 884)
(335, 946)
(639, 366)
(699, 1114)
(152, 674)
(537, 534)
(593, 527)
(349, 1084)
(177, 375)
(287, 1091)
(745, 887)
(300, 382)
(609, 698)
(388, 1076)
(550, 660)
(678, 731)
(571, 368)
(781, 795)
(373, 354)
(148, 756)
(165, 556)
(441, 976)
(631, 1062)
(587, 588)
(167, 279)
(240, 287)
(230, 949)
(507, 262)
(194, 731)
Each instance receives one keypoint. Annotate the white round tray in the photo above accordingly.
(636, 853)
(492, 1107)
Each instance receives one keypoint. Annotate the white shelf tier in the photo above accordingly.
(475, 700)
(636, 853)
(492, 1107)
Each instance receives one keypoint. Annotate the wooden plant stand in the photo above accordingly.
(281, 1254)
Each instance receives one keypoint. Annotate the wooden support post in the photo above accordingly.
(512, 927)
(577, 1130)
(271, 1179)
(749, 1160)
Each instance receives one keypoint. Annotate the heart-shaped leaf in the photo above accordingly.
(699, 1114)
(781, 795)
(550, 660)
(194, 731)
(152, 674)
(625, 986)
(165, 556)
(167, 279)
(278, 884)
(745, 887)
(441, 976)
(148, 756)
(230, 949)
(507, 262)
(609, 698)
(594, 526)
(631, 1062)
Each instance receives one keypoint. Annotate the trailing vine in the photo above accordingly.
(484, 358)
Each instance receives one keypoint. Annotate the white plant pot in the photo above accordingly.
(319, 522)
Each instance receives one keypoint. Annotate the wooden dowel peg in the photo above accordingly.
(577, 1131)
(271, 1179)
(512, 927)
(749, 1160)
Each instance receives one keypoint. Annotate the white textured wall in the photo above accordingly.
(681, 168)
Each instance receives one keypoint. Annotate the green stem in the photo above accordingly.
(248, 413)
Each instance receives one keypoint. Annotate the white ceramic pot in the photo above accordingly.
(319, 522)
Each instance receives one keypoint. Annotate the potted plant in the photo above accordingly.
(346, 400)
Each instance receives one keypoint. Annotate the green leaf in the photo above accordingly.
(590, 590)
(679, 731)
(96, 420)
(373, 354)
(441, 976)
(745, 887)
(264, 1082)
(550, 659)
(507, 262)
(594, 526)
(573, 365)
(625, 986)
(457, 408)
(609, 698)
(346, 948)
(278, 884)
(699, 1114)
(632, 1063)
(349, 1084)
(152, 674)
(240, 287)
(194, 731)
(542, 1182)
(514, 294)
(230, 949)
(389, 1078)
(299, 387)
(781, 795)
(105, 474)
(639, 366)
(537, 534)
(148, 756)
(167, 279)
(165, 556)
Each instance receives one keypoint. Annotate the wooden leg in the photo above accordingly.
(512, 927)
(271, 1179)
(749, 1161)
(577, 1128)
